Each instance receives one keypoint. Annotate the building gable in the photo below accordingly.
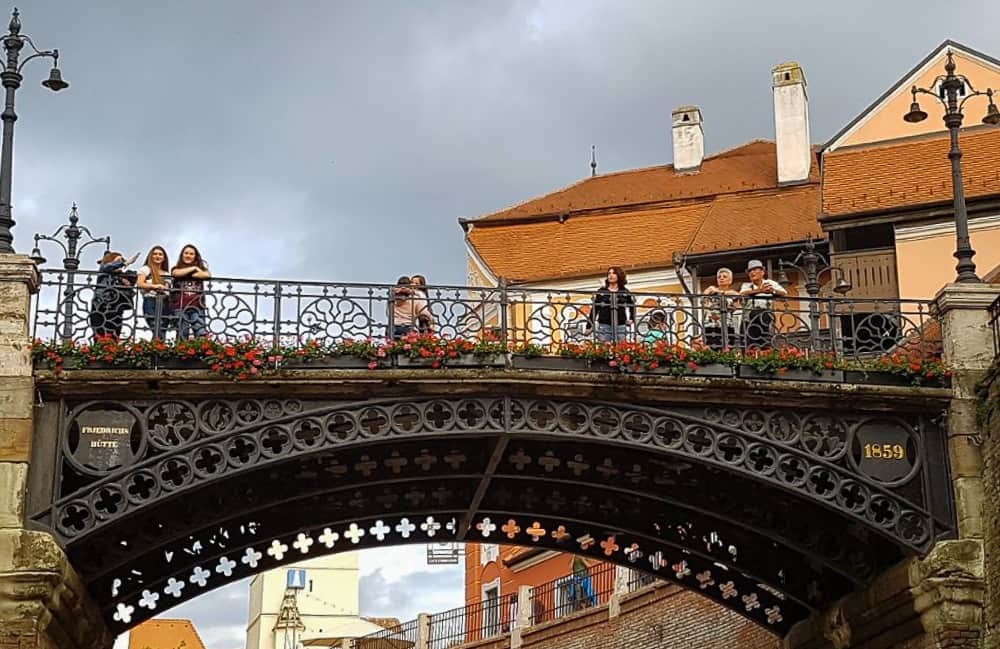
(883, 120)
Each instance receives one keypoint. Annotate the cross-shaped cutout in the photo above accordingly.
(75, 517)
(549, 461)
(405, 528)
(354, 533)
(791, 469)
(536, 531)
(242, 450)
(750, 602)
(149, 599)
(328, 538)
(657, 560)
(395, 463)
(277, 550)
(174, 587)
(141, 486)
(607, 468)
(430, 526)
(225, 567)
(728, 590)
(405, 418)
(705, 579)
(425, 460)
(578, 465)
(542, 415)
(373, 421)
(573, 419)
(302, 543)
(609, 546)
(455, 460)
(773, 614)
(109, 501)
(471, 414)
(586, 541)
(366, 466)
(308, 433)
(520, 459)
(486, 526)
(339, 426)
(199, 576)
(511, 529)
(123, 613)
(633, 553)
(274, 441)
(438, 415)
(380, 530)
(560, 534)
(251, 557)
(681, 569)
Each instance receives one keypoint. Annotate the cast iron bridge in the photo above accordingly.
(772, 497)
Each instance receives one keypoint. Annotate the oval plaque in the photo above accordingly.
(884, 450)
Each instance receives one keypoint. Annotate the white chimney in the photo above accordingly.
(791, 123)
(689, 139)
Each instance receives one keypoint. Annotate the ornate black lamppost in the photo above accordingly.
(947, 89)
(10, 76)
(72, 233)
(811, 264)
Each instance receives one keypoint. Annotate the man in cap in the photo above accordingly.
(758, 295)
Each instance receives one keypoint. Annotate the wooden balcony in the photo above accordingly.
(872, 273)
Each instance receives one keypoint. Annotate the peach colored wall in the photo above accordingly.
(552, 568)
(925, 265)
(888, 123)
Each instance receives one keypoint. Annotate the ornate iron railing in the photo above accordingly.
(493, 617)
(78, 308)
(573, 592)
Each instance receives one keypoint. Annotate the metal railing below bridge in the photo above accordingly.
(495, 617)
(81, 306)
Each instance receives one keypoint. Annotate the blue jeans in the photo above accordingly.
(192, 319)
(158, 314)
(605, 333)
(398, 331)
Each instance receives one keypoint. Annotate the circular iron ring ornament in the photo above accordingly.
(94, 443)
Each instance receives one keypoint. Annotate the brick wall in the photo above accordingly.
(656, 617)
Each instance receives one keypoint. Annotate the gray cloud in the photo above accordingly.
(340, 140)
(422, 591)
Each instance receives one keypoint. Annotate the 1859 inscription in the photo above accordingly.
(884, 450)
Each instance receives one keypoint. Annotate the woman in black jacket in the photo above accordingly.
(613, 310)
(114, 294)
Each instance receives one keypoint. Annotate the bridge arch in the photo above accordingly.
(770, 511)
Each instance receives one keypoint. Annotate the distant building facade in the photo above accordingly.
(328, 602)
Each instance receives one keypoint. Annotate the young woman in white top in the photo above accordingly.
(154, 284)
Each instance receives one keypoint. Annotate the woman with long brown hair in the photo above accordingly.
(613, 309)
(154, 284)
(188, 298)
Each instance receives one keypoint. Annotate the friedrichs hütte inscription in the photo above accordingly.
(104, 439)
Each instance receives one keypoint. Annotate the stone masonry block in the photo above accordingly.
(13, 483)
(17, 397)
(15, 440)
(15, 357)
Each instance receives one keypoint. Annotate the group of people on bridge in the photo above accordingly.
(731, 315)
(173, 299)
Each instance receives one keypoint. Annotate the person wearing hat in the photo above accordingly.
(758, 294)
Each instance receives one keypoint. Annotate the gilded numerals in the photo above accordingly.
(885, 451)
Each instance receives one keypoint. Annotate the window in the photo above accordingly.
(488, 552)
(491, 608)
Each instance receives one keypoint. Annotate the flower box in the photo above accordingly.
(891, 378)
(825, 376)
(560, 364)
(326, 363)
(180, 364)
(463, 360)
(712, 369)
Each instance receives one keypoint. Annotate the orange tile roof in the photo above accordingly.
(549, 249)
(908, 173)
(748, 220)
(165, 634)
(639, 218)
(746, 167)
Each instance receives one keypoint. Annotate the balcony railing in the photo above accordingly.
(573, 592)
(283, 312)
(494, 617)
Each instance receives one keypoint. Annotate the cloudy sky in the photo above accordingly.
(317, 139)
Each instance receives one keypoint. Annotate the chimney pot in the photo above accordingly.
(688, 139)
(791, 123)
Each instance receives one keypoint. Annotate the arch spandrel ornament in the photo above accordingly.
(787, 508)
